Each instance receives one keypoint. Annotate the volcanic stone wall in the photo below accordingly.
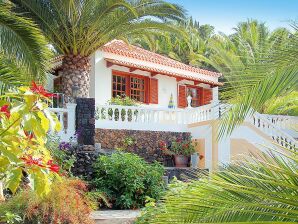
(85, 121)
(145, 143)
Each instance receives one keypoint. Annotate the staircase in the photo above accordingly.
(279, 128)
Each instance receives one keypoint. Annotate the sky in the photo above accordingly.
(225, 14)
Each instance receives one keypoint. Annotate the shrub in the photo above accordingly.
(66, 203)
(127, 179)
(61, 154)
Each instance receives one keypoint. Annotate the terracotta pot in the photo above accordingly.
(181, 161)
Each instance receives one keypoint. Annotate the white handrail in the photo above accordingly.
(261, 122)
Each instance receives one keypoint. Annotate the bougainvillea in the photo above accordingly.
(25, 120)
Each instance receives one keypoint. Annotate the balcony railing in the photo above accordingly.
(148, 118)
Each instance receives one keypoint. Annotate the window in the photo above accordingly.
(119, 85)
(194, 93)
(133, 86)
(137, 89)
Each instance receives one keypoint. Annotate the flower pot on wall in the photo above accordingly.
(181, 161)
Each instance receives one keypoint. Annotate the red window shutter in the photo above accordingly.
(154, 91)
(207, 96)
(182, 96)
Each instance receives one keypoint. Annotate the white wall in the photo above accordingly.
(101, 82)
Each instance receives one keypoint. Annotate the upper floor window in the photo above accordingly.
(133, 86)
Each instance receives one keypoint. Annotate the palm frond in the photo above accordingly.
(21, 40)
(262, 188)
(81, 27)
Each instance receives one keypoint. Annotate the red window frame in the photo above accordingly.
(136, 86)
(195, 102)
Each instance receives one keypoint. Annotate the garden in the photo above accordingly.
(38, 184)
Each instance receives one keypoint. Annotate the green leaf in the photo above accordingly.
(45, 123)
(14, 179)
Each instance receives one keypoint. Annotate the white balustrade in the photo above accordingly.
(66, 116)
(150, 118)
(283, 122)
(262, 122)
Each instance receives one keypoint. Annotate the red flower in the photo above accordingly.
(31, 161)
(41, 91)
(38, 162)
(4, 110)
(53, 167)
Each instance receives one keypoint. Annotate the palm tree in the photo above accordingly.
(24, 54)
(262, 188)
(187, 48)
(77, 28)
(257, 65)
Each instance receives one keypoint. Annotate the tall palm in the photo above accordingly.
(259, 189)
(257, 65)
(77, 28)
(24, 53)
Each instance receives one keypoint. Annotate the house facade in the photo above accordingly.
(120, 69)
(174, 99)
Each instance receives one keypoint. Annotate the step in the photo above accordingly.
(115, 216)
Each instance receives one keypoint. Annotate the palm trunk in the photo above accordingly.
(76, 71)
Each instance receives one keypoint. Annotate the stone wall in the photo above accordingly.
(145, 143)
(85, 121)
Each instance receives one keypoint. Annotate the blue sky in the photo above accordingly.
(225, 14)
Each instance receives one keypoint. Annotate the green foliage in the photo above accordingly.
(258, 67)
(188, 48)
(66, 203)
(185, 147)
(62, 157)
(10, 218)
(25, 120)
(24, 54)
(127, 179)
(178, 147)
(123, 101)
(80, 28)
(99, 198)
(283, 105)
(261, 188)
(153, 208)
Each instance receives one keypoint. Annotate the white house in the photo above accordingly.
(121, 69)
(150, 78)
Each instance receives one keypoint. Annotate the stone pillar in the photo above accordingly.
(85, 120)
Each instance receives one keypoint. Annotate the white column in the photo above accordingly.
(214, 103)
(71, 118)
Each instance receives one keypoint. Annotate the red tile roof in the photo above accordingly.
(121, 48)
(162, 71)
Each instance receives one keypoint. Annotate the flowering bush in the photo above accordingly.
(177, 147)
(66, 203)
(24, 122)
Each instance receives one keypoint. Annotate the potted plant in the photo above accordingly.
(179, 149)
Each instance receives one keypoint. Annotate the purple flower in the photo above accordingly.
(64, 146)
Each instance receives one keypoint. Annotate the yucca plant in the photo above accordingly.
(77, 28)
(260, 189)
(24, 54)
